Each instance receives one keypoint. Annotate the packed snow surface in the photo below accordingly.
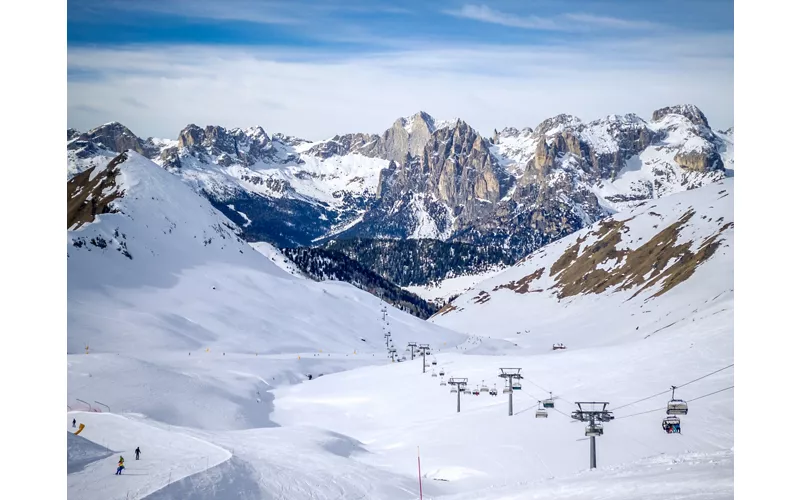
(198, 350)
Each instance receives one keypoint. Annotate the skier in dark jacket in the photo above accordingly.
(137, 453)
(73, 422)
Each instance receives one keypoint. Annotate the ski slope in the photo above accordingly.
(197, 349)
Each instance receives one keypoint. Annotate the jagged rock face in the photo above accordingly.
(341, 145)
(454, 181)
(72, 134)
(603, 146)
(406, 137)
(215, 144)
(170, 158)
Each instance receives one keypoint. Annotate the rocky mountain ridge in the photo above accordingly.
(425, 178)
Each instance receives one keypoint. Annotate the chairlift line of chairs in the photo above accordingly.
(672, 424)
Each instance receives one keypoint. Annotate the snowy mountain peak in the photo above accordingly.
(418, 119)
(557, 124)
(688, 111)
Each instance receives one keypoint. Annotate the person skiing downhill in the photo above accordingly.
(137, 453)
(120, 466)
(73, 422)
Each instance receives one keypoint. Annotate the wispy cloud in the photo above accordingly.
(136, 103)
(312, 97)
(562, 22)
(254, 11)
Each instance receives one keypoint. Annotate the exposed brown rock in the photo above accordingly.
(643, 267)
(85, 195)
(521, 285)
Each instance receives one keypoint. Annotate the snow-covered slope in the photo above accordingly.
(165, 275)
(660, 264)
(201, 348)
(642, 301)
(275, 255)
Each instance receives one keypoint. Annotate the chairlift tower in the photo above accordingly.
(392, 353)
(387, 336)
(510, 374)
(460, 384)
(424, 348)
(595, 413)
(413, 347)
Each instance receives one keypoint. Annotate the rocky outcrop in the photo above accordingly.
(112, 137)
(341, 145)
(688, 111)
(214, 144)
(702, 161)
(89, 195)
(406, 137)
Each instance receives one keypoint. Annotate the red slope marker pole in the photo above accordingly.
(419, 472)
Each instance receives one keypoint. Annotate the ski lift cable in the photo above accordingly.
(669, 390)
(688, 401)
(709, 394)
(704, 376)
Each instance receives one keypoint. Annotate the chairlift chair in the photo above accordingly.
(476, 392)
(549, 403)
(517, 386)
(671, 424)
(441, 373)
(433, 374)
(541, 413)
(442, 382)
(433, 361)
(677, 406)
(484, 387)
(506, 390)
(453, 389)
(597, 430)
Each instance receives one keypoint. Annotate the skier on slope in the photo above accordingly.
(137, 453)
(120, 466)
(73, 422)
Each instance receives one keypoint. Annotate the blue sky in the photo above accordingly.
(324, 67)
